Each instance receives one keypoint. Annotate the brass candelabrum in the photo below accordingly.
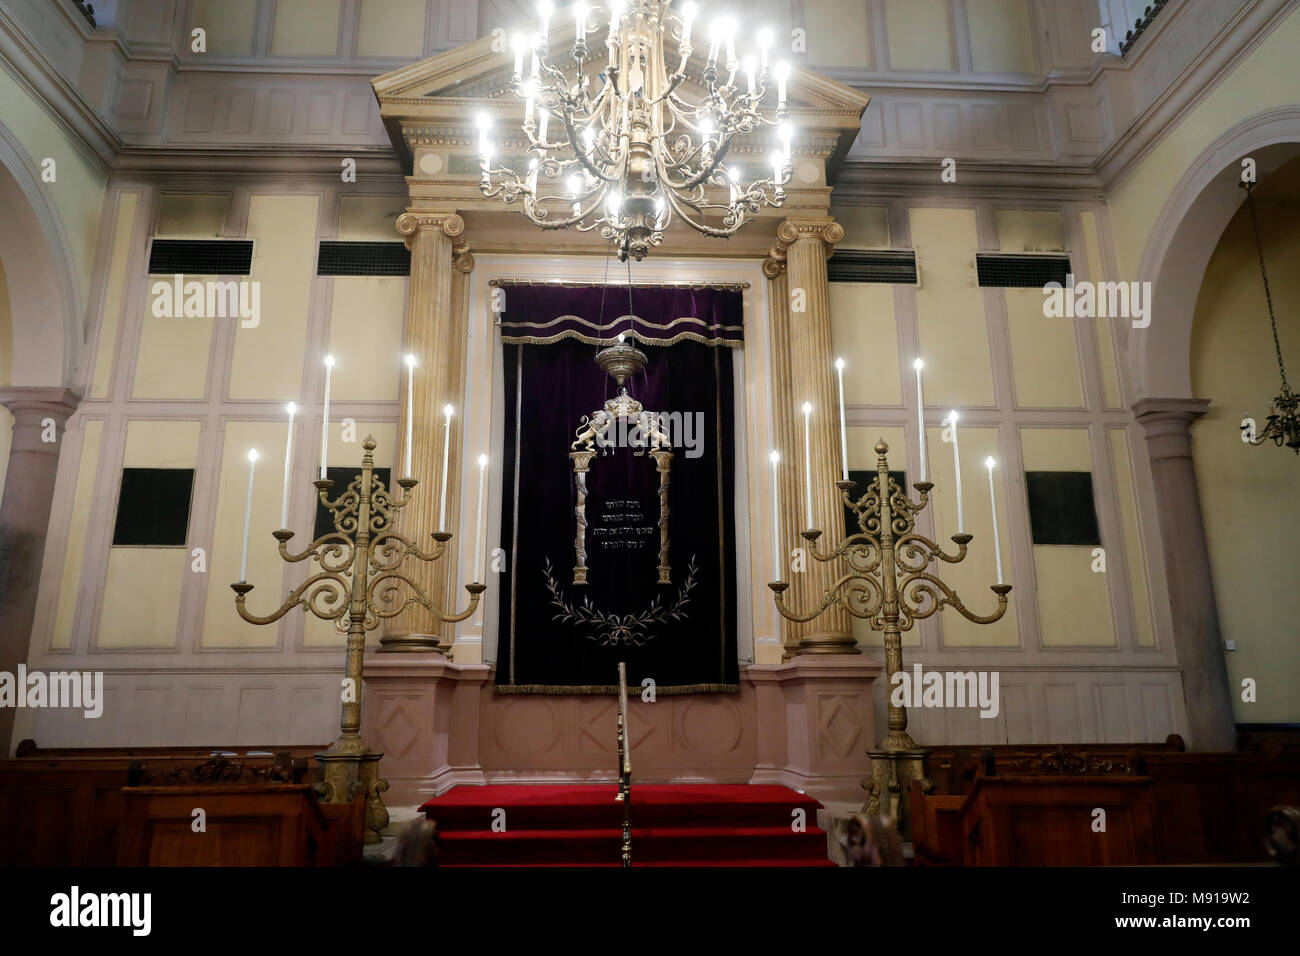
(360, 579)
(888, 584)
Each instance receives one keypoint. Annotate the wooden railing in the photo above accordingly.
(624, 765)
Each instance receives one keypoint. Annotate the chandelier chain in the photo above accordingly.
(1268, 295)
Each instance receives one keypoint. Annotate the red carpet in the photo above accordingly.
(672, 825)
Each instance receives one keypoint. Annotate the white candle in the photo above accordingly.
(956, 468)
(248, 516)
(478, 520)
(782, 75)
(920, 413)
(776, 518)
(993, 506)
(410, 410)
(325, 422)
(446, 450)
(844, 435)
(688, 20)
(580, 19)
(544, 11)
(288, 468)
(807, 461)
(519, 43)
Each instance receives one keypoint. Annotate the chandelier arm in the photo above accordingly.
(928, 583)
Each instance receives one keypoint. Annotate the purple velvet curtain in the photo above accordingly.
(560, 637)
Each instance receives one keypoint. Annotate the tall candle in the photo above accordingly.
(410, 410)
(325, 422)
(248, 516)
(446, 450)
(920, 414)
(807, 461)
(956, 468)
(993, 506)
(478, 520)
(288, 467)
(776, 518)
(844, 435)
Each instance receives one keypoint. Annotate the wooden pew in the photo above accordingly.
(66, 807)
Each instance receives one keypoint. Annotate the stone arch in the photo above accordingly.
(1185, 236)
(47, 330)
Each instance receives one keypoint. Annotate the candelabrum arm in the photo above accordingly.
(922, 594)
(386, 555)
(334, 550)
(327, 585)
(384, 597)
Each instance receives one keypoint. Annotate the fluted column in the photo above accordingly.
(437, 335)
(783, 426)
(40, 415)
(807, 244)
(1197, 639)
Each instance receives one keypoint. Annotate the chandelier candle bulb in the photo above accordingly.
(782, 75)
(920, 414)
(580, 20)
(248, 516)
(478, 520)
(734, 175)
(519, 43)
(844, 435)
(325, 421)
(410, 412)
(749, 66)
(956, 470)
(688, 18)
(765, 40)
(544, 9)
(446, 450)
(288, 468)
(778, 167)
(993, 506)
(775, 458)
(715, 39)
(543, 123)
(807, 462)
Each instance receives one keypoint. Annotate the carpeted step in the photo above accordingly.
(585, 806)
(649, 845)
(673, 825)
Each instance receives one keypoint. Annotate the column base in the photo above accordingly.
(412, 644)
(828, 644)
(892, 773)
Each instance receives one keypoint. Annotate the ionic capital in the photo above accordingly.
(411, 224)
(823, 229)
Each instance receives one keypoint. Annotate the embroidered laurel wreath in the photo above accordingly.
(629, 629)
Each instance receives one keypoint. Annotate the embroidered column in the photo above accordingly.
(39, 414)
(807, 244)
(1197, 639)
(437, 335)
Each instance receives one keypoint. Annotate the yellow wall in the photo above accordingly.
(123, 227)
(68, 583)
(391, 28)
(1001, 38)
(1249, 495)
(305, 28)
(142, 591)
(919, 35)
(838, 33)
(229, 24)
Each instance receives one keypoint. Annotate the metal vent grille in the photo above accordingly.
(363, 259)
(1014, 271)
(877, 265)
(201, 257)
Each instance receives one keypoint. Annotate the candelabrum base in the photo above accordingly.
(892, 773)
(351, 767)
(828, 644)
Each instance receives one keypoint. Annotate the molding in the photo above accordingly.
(32, 69)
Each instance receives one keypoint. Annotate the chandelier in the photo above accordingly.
(1283, 423)
(618, 145)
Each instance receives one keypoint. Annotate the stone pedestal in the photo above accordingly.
(1197, 639)
(805, 724)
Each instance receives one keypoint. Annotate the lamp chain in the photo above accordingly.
(1268, 295)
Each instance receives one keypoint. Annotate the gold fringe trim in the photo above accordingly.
(593, 340)
(568, 284)
(670, 691)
